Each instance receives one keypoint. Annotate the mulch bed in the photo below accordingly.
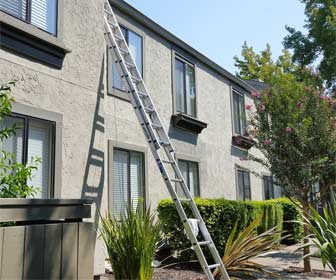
(315, 272)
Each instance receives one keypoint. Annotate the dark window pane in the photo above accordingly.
(247, 187)
(239, 113)
(240, 185)
(14, 144)
(135, 46)
(16, 8)
(179, 86)
(190, 90)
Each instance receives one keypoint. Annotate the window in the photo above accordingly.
(40, 13)
(134, 42)
(244, 186)
(271, 190)
(189, 170)
(239, 117)
(128, 180)
(34, 138)
(185, 87)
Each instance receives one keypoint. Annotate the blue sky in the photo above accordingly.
(218, 28)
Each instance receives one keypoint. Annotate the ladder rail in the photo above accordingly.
(164, 132)
(158, 139)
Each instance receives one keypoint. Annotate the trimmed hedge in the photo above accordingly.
(220, 215)
(291, 213)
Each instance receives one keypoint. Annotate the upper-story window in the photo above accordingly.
(33, 139)
(185, 87)
(40, 13)
(239, 117)
(134, 42)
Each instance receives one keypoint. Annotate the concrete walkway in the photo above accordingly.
(289, 258)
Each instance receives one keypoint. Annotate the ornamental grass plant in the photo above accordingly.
(131, 242)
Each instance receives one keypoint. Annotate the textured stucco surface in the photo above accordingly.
(90, 117)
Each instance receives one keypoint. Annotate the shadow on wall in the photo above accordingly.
(182, 135)
(93, 187)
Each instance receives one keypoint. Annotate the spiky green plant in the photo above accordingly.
(131, 242)
(247, 245)
(323, 232)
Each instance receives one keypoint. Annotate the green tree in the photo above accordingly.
(293, 124)
(14, 176)
(320, 41)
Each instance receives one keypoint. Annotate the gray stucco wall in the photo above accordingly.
(90, 117)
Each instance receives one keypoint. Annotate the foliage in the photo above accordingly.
(323, 229)
(293, 125)
(320, 41)
(291, 213)
(220, 216)
(14, 176)
(246, 245)
(131, 242)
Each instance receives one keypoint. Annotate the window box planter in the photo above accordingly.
(188, 123)
(242, 142)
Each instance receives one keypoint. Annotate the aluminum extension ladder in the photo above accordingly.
(158, 140)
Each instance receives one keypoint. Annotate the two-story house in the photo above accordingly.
(76, 116)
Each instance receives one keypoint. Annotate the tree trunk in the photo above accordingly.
(306, 250)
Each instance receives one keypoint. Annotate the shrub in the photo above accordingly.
(220, 216)
(323, 229)
(131, 242)
(241, 248)
(291, 213)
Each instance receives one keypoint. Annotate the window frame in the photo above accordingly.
(185, 59)
(27, 19)
(111, 89)
(188, 171)
(235, 91)
(52, 143)
(129, 196)
(112, 144)
(269, 179)
(240, 169)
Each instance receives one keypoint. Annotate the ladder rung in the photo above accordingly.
(130, 65)
(148, 110)
(124, 51)
(176, 180)
(204, 243)
(185, 199)
(142, 94)
(136, 79)
(168, 161)
(163, 143)
(112, 24)
(156, 126)
(213, 265)
(118, 37)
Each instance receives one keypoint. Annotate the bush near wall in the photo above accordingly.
(291, 213)
(220, 215)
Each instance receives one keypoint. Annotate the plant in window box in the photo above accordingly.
(244, 141)
(14, 176)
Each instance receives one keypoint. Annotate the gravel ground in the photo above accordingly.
(285, 262)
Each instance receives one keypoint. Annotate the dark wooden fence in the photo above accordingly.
(48, 239)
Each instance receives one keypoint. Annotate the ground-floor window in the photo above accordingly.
(243, 185)
(189, 170)
(271, 190)
(34, 138)
(128, 189)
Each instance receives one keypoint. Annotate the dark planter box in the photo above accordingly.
(46, 239)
